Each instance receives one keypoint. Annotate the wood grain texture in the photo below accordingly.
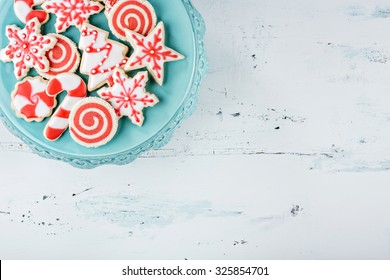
(287, 155)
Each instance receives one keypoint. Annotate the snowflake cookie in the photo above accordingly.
(128, 95)
(151, 52)
(27, 48)
(71, 12)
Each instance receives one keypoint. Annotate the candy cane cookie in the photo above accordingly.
(30, 101)
(24, 11)
(76, 89)
(93, 122)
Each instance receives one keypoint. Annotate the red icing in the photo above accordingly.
(63, 58)
(54, 87)
(133, 17)
(53, 133)
(27, 45)
(80, 91)
(72, 12)
(62, 113)
(106, 48)
(109, 4)
(42, 16)
(90, 119)
(28, 2)
(154, 54)
(127, 97)
(25, 90)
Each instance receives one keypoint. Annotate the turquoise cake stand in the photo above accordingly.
(178, 96)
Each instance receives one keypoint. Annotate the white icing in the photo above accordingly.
(38, 85)
(92, 138)
(39, 45)
(58, 123)
(122, 93)
(124, 12)
(140, 52)
(19, 102)
(78, 8)
(42, 110)
(69, 81)
(134, 16)
(91, 60)
(22, 8)
(94, 125)
(69, 102)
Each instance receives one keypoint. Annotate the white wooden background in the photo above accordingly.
(287, 156)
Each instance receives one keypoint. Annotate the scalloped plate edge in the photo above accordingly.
(158, 140)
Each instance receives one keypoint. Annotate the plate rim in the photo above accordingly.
(158, 140)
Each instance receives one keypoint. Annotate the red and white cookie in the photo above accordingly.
(109, 4)
(93, 122)
(30, 101)
(63, 58)
(71, 12)
(24, 11)
(101, 56)
(128, 95)
(27, 48)
(76, 91)
(151, 52)
(135, 15)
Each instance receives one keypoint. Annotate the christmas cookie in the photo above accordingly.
(63, 58)
(30, 101)
(27, 48)
(101, 56)
(93, 122)
(135, 15)
(128, 95)
(109, 4)
(24, 11)
(150, 52)
(76, 91)
(71, 12)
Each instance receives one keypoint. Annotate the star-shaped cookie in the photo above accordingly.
(151, 52)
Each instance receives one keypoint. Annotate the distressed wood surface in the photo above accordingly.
(287, 155)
